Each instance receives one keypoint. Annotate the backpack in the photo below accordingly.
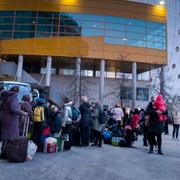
(75, 113)
(38, 114)
(102, 117)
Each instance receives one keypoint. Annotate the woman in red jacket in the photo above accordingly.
(134, 122)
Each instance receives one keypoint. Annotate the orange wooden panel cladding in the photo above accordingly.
(86, 47)
(101, 7)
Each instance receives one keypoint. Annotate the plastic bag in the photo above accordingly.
(50, 145)
(31, 150)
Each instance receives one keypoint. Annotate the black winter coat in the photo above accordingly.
(86, 119)
(55, 122)
(155, 125)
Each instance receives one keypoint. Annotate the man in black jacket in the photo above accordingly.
(156, 127)
(85, 121)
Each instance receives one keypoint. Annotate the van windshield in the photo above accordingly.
(23, 88)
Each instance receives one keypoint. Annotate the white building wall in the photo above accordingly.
(62, 86)
(173, 41)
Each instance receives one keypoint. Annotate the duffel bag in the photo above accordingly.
(115, 141)
(107, 134)
(50, 145)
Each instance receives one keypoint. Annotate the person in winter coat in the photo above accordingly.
(156, 127)
(127, 116)
(176, 123)
(134, 122)
(67, 123)
(40, 122)
(10, 113)
(96, 126)
(118, 114)
(85, 122)
(135, 119)
(55, 120)
(26, 107)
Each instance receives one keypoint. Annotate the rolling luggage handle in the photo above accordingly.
(26, 126)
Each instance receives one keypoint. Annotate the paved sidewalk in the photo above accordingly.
(107, 163)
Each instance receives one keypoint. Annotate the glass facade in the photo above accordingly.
(115, 30)
(142, 94)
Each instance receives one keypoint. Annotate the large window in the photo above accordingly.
(142, 94)
(115, 30)
(126, 93)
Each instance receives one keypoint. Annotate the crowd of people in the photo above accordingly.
(87, 125)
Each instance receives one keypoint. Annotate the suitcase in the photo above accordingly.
(16, 149)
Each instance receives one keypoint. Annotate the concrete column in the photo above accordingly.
(134, 84)
(19, 68)
(78, 82)
(101, 83)
(48, 71)
(162, 80)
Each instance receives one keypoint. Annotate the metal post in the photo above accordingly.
(19, 68)
(134, 84)
(101, 84)
(78, 81)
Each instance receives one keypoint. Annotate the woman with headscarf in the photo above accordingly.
(26, 107)
(10, 113)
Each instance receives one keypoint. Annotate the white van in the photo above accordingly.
(24, 88)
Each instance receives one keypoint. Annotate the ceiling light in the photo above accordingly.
(162, 2)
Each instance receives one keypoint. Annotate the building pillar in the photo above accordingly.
(134, 84)
(162, 80)
(78, 82)
(101, 83)
(19, 68)
(48, 71)
(48, 75)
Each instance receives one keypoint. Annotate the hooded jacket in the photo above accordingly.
(67, 114)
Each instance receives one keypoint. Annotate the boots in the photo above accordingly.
(100, 144)
(160, 151)
(151, 149)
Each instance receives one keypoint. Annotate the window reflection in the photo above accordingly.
(115, 30)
